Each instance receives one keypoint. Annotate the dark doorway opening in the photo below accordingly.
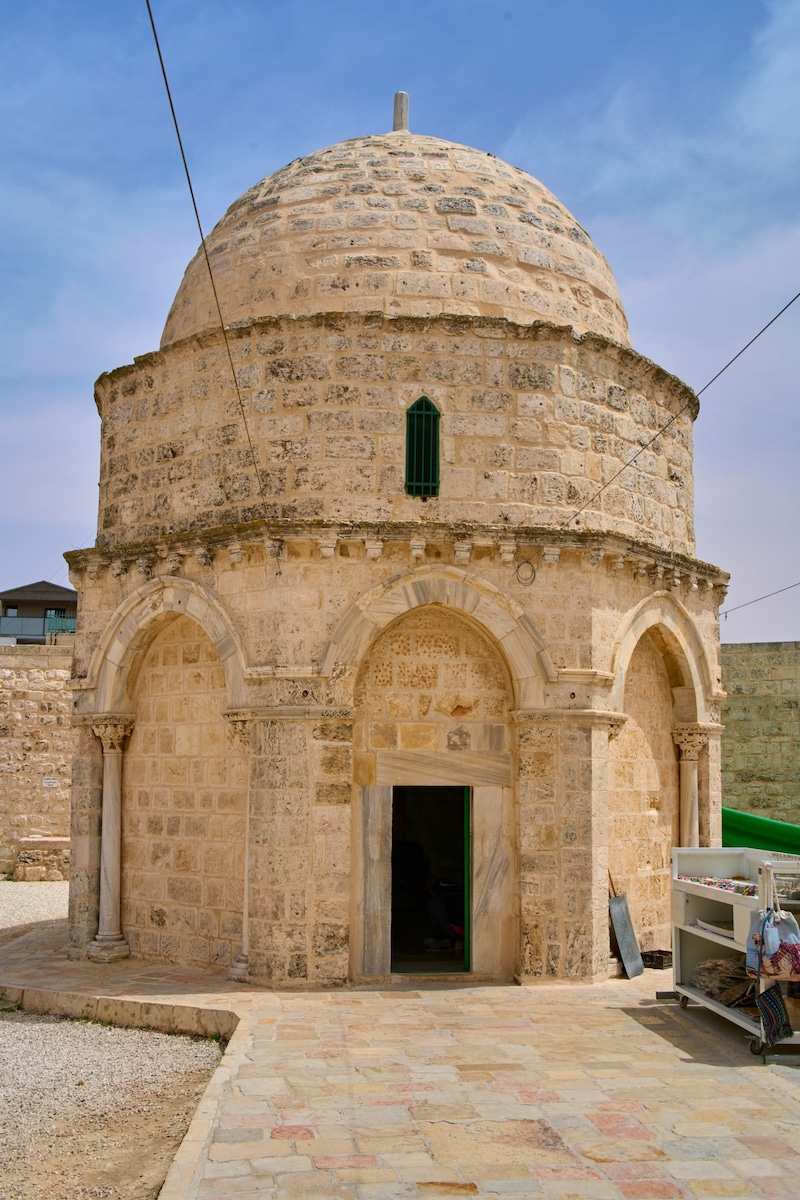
(430, 879)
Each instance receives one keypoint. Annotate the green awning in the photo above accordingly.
(743, 829)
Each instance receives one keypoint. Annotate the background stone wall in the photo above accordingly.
(35, 743)
(534, 420)
(761, 742)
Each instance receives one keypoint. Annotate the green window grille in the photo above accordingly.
(422, 448)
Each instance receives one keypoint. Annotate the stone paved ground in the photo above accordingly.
(590, 1093)
(597, 1093)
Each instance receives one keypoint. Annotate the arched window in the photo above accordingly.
(422, 448)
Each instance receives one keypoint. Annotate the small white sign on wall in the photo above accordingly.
(50, 781)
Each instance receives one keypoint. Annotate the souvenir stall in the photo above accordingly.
(736, 941)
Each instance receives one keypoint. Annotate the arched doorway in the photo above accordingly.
(432, 750)
(643, 794)
(183, 805)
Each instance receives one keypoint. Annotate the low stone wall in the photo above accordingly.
(35, 760)
(39, 858)
(761, 742)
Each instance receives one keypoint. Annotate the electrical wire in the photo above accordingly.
(680, 413)
(208, 260)
(758, 599)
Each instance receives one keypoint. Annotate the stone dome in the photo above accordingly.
(403, 224)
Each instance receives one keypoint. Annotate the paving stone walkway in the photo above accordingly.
(596, 1093)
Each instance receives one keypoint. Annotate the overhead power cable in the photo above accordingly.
(678, 414)
(208, 260)
(758, 599)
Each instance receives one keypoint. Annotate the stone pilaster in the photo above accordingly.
(563, 870)
(109, 944)
(301, 771)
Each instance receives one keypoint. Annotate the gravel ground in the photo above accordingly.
(23, 905)
(88, 1110)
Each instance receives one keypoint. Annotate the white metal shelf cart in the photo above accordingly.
(726, 909)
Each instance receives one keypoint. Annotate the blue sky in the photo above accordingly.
(671, 131)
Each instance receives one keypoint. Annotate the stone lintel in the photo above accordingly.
(441, 767)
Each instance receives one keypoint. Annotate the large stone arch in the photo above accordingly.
(666, 619)
(400, 642)
(519, 642)
(663, 684)
(138, 620)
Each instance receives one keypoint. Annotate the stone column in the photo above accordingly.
(240, 726)
(109, 944)
(690, 740)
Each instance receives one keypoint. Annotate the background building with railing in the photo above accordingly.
(28, 614)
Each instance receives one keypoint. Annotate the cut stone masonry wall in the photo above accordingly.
(534, 420)
(35, 749)
(761, 742)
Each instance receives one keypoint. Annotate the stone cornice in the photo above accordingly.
(608, 549)
(569, 716)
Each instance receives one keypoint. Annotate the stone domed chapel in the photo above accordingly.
(399, 702)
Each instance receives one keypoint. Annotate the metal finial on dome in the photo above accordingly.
(400, 111)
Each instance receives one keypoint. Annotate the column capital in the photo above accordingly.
(690, 739)
(240, 722)
(112, 729)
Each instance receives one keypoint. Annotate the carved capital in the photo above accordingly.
(615, 725)
(112, 732)
(144, 565)
(239, 726)
(204, 556)
(690, 740)
(119, 567)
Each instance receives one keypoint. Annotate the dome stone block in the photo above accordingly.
(406, 225)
